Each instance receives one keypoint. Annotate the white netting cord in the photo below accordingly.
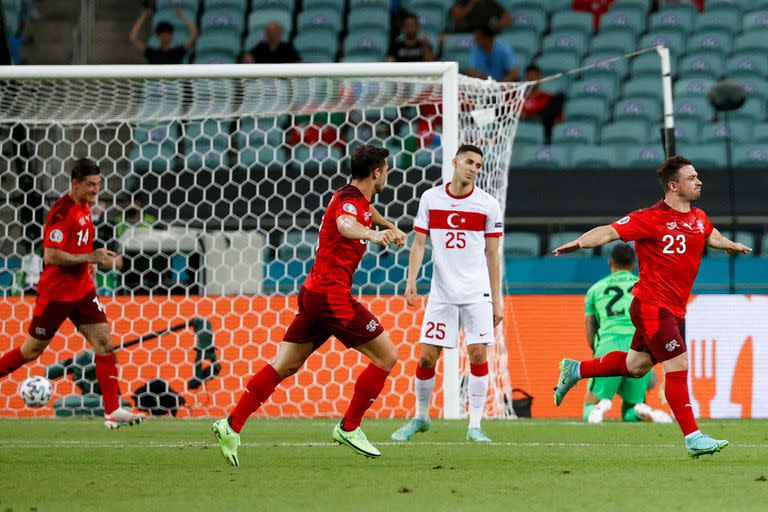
(215, 198)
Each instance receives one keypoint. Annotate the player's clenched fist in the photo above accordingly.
(103, 257)
(411, 295)
(384, 237)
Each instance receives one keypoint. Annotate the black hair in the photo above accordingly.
(623, 255)
(532, 67)
(366, 158)
(486, 31)
(408, 15)
(85, 167)
(163, 26)
(469, 147)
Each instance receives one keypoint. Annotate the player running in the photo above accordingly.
(465, 225)
(670, 237)
(67, 290)
(609, 328)
(326, 308)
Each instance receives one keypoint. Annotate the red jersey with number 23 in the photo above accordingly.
(337, 256)
(69, 228)
(669, 247)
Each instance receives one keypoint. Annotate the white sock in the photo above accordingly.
(478, 392)
(423, 395)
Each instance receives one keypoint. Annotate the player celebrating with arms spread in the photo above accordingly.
(326, 308)
(465, 225)
(670, 237)
(67, 290)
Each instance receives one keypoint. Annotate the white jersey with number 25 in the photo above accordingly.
(458, 227)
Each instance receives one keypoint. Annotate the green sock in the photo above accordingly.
(587, 409)
(628, 412)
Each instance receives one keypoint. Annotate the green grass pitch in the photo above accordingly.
(170, 465)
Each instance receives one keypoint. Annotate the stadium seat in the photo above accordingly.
(375, 4)
(645, 156)
(258, 19)
(605, 87)
(718, 132)
(707, 66)
(368, 44)
(694, 108)
(189, 7)
(521, 42)
(552, 63)
(259, 142)
(622, 20)
(631, 132)
(675, 41)
(643, 87)
(297, 245)
(206, 144)
(288, 5)
(692, 87)
(755, 21)
(565, 41)
(642, 108)
(726, 19)
(215, 57)
(368, 18)
(460, 42)
(432, 20)
(542, 156)
(683, 8)
(531, 134)
(591, 108)
(219, 41)
(759, 134)
(521, 245)
(534, 20)
(746, 63)
(687, 131)
(320, 18)
(750, 155)
(558, 239)
(594, 156)
(709, 42)
(619, 42)
(754, 84)
(155, 146)
(647, 64)
(752, 110)
(678, 22)
(311, 44)
(616, 68)
(223, 19)
(754, 40)
(574, 133)
(337, 5)
(705, 156)
(572, 20)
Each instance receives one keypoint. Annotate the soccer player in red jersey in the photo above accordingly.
(669, 238)
(67, 290)
(327, 308)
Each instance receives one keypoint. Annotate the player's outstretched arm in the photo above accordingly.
(716, 240)
(379, 220)
(414, 267)
(596, 237)
(494, 272)
(56, 257)
(349, 228)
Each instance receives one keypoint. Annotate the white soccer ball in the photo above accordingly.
(36, 391)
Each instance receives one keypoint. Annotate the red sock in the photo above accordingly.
(676, 391)
(10, 361)
(612, 364)
(479, 370)
(106, 374)
(368, 386)
(424, 373)
(258, 389)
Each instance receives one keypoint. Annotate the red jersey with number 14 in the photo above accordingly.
(69, 228)
(337, 256)
(669, 247)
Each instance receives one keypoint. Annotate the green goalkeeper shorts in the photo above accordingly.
(630, 389)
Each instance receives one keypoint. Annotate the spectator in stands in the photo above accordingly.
(492, 58)
(542, 106)
(470, 15)
(410, 47)
(273, 50)
(167, 53)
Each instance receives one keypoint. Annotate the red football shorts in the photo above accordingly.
(657, 331)
(50, 314)
(321, 316)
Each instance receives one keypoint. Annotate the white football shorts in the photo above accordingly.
(442, 323)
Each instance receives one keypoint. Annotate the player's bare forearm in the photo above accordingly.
(716, 240)
(596, 237)
(415, 258)
(494, 266)
(590, 326)
(133, 37)
(59, 258)
(350, 228)
(379, 220)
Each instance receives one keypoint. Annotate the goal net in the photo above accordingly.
(215, 179)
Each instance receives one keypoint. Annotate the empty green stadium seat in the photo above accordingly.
(594, 156)
(287, 5)
(155, 146)
(750, 155)
(754, 40)
(708, 42)
(647, 64)
(643, 87)
(368, 18)
(521, 42)
(605, 87)
(708, 66)
(644, 155)
(692, 107)
(679, 22)
(259, 141)
(727, 19)
(223, 19)
(755, 21)
(642, 108)
(592, 108)
(746, 63)
(213, 56)
(687, 87)
(752, 110)
(227, 42)
(531, 134)
(704, 156)
(542, 156)
(759, 134)
(205, 144)
(604, 66)
(320, 18)
(619, 42)
(551, 63)
(376, 4)
(189, 7)
(572, 20)
(316, 42)
(337, 5)
(623, 20)
(739, 131)
(565, 41)
(461, 42)
(687, 131)
(632, 132)
(675, 41)
(366, 43)
(534, 20)
(574, 132)
(562, 238)
(297, 245)
(521, 245)
(432, 20)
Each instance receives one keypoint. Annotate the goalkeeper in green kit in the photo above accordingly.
(609, 328)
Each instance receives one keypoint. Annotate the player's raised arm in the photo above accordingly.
(414, 266)
(716, 240)
(596, 237)
(494, 272)
(379, 220)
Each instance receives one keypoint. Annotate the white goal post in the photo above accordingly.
(197, 153)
